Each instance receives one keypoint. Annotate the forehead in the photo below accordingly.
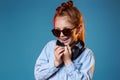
(62, 22)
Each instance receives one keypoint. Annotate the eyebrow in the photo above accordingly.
(66, 27)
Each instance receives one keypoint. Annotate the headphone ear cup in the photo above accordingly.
(75, 52)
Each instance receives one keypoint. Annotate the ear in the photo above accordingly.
(79, 29)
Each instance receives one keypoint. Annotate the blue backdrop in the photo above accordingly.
(25, 27)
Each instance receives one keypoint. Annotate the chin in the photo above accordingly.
(67, 42)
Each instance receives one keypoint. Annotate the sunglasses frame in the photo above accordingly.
(65, 33)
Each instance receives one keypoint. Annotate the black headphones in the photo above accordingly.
(76, 51)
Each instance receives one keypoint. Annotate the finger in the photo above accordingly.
(56, 47)
(58, 51)
(60, 55)
(59, 48)
(66, 51)
(69, 49)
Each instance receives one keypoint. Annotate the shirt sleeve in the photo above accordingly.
(43, 68)
(85, 69)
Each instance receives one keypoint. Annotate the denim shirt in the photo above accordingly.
(81, 68)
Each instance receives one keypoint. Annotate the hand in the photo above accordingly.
(67, 55)
(58, 52)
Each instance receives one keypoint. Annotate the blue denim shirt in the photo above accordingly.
(81, 68)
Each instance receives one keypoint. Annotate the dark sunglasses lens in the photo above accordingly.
(67, 32)
(56, 32)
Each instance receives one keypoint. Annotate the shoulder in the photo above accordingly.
(51, 44)
(86, 55)
(48, 48)
(89, 51)
(89, 54)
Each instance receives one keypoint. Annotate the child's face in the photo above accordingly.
(62, 23)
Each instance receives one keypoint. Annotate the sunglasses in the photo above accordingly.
(66, 32)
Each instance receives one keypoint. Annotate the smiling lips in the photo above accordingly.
(64, 40)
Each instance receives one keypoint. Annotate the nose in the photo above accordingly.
(61, 34)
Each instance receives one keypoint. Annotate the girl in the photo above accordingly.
(66, 58)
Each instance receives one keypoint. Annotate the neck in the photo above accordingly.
(74, 42)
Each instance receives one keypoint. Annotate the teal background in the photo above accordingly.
(25, 27)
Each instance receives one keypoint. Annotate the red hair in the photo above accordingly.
(75, 16)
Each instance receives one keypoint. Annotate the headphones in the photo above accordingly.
(76, 51)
